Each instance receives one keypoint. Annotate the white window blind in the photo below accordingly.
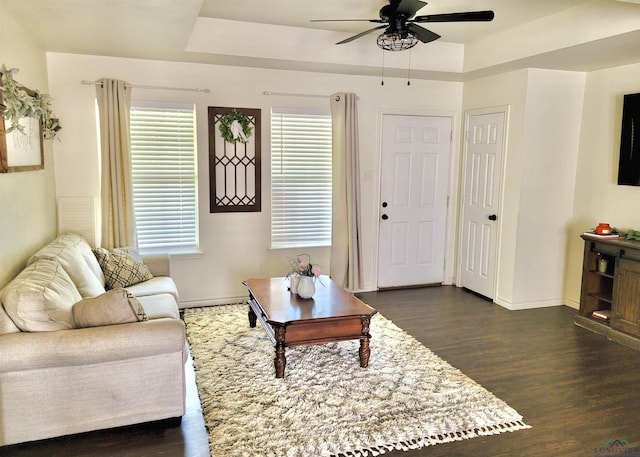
(300, 178)
(164, 175)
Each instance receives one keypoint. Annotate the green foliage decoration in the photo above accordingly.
(628, 234)
(226, 127)
(50, 123)
(20, 104)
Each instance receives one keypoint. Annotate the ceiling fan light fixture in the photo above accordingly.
(396, 41)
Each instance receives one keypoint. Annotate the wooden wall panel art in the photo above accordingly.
(234, 162)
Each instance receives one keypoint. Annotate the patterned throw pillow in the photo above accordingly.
(121, 268)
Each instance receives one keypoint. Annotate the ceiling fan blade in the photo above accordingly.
(377, 21)
(361, 34)
(410, 7)
(470, 16)
(424, 35)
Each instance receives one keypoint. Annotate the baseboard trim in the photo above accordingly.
(213, 302)
(527, 305)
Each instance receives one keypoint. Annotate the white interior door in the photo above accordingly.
(481, 201)
(413, 191)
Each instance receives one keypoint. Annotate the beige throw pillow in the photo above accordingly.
(114, 307)
(121, 267)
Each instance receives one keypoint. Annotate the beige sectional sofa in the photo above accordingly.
(75, 357)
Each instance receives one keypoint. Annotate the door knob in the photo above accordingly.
(385, 217)
(493, 217)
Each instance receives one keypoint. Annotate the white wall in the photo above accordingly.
(235, 246)
(539, 175)
(27, 199)
(598, 197)
(554, 104)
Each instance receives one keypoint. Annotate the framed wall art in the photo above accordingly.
(234, 160)
(21, 145)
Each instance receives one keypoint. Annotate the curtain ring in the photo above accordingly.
(337, 98)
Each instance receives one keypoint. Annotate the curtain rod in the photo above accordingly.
(287, 94)
(136, 86)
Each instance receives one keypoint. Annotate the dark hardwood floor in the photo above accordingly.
(576, 389)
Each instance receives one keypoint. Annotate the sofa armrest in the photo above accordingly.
(25, 351)
(159, 264)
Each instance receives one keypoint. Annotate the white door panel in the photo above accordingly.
(481, 200)
(414, 181)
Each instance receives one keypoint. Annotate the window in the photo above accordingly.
(164, 175)
(300, 178)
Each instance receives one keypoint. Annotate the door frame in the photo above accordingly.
(503, 109)
(452, 190)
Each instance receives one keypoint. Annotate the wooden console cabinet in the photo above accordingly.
(615, 289)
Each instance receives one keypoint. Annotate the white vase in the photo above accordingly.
(293, 283)
(306, 286)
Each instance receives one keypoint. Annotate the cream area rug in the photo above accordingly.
(327, 405)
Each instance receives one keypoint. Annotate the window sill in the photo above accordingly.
(300, 246)
(194, 254)
(186, 255)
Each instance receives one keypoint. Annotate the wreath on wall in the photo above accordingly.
(234, 127)
(19, 103)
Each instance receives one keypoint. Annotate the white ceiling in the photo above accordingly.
(298, 13)
(162, 29)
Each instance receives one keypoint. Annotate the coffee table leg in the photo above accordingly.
(365, 352)
(280, 361)
(252, 317)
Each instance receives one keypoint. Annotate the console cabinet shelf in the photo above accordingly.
(611, 283)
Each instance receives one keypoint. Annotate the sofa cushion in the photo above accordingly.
(41, 297)
(154, 286)
(160, 306)
(114, 307)
(121, 267)
(74, 254)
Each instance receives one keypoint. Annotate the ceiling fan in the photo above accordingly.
(401, 29)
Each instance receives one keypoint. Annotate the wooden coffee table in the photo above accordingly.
(331, 315)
